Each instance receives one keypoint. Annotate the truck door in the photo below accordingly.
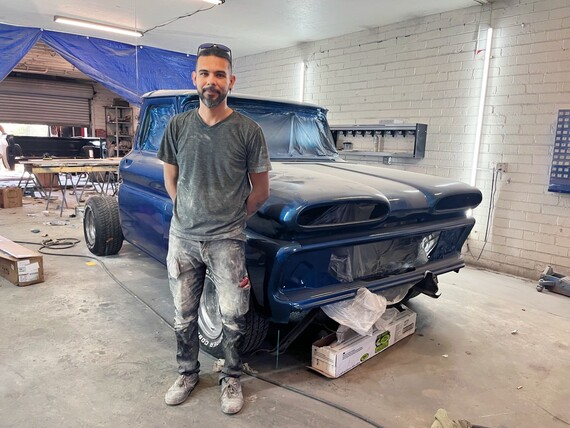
(145, 206)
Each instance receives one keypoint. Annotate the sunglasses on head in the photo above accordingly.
(205, 46)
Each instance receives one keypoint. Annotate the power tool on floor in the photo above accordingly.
(554, 282)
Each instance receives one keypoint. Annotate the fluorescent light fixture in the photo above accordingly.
(215, 1)
(96, 26)
(479, 128)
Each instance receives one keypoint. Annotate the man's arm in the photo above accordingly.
(170, 179)
(259, 191)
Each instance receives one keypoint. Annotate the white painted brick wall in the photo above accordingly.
(424, 70)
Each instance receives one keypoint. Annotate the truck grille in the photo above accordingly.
(364, 262)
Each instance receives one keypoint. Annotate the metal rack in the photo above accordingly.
(418, 130)
(119, 122)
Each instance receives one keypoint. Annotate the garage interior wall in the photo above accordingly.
(426, 70)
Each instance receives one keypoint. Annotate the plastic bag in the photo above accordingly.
(387, 317)
(360, 313)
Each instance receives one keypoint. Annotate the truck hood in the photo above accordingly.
(330, 195)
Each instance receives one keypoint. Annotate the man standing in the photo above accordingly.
(216, 170)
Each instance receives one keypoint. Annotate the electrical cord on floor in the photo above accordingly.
(313, 397)
(65, 243)
(60, 244)
(56, 244)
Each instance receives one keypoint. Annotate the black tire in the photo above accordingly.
(12, 151)
(101, 226)
(210, 324)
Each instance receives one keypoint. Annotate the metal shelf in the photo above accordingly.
(119, 122)
(418, 130)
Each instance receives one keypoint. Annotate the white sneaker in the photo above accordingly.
(181, 389)
(232, 397)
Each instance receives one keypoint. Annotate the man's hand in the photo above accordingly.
(259, 192)
(170, 179)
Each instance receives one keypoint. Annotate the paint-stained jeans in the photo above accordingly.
(187, 262)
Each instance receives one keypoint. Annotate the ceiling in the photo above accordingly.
(247, 26)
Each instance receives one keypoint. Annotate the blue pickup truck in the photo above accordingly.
(328, 228)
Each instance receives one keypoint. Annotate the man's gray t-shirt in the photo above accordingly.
(213, 165)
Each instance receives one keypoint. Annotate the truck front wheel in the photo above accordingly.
(210, 324)
(101, 226)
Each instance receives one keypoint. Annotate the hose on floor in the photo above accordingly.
(313, 397)
(55, 244)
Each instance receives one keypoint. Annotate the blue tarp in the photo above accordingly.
(15, 42)
(125, 69)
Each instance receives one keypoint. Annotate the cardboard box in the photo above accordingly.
(20, 265)
(10, 197)
(333, 359)
(48, 180)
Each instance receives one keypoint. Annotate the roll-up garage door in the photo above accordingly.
(46, 102)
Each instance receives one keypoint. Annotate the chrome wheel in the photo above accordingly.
(89, 224)
(210, 318)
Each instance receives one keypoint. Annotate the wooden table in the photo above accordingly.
(81, 168)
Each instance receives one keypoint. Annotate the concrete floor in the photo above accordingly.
(80, 351)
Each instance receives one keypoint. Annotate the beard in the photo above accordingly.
(212, 102)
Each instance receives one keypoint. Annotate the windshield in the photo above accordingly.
(292, 131)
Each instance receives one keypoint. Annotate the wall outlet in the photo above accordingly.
(498, 166)
(502, 166)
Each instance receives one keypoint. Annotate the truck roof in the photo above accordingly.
(185, 92)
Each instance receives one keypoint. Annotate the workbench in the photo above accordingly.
(78, 174)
